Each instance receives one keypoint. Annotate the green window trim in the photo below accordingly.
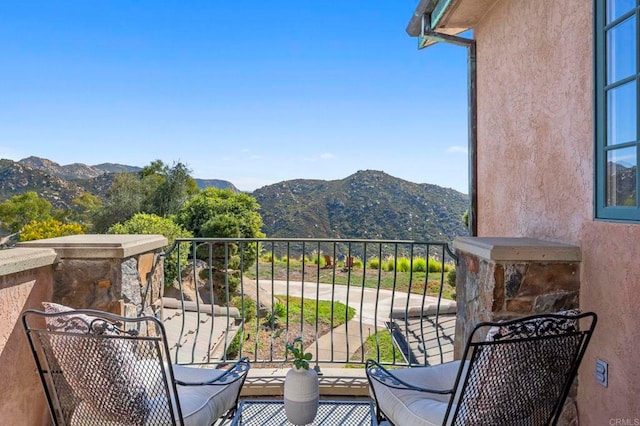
(617, 109)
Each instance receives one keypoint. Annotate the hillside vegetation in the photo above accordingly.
(368, 204)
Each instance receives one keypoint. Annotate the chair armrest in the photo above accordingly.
(383, 376)
(234, 373)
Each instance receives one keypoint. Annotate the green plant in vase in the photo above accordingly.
(300, 357)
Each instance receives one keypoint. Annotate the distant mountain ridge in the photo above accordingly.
(18, 178)
(368, 204)
(61, 184)
(83, 171)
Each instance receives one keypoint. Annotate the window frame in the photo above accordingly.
(602, 211)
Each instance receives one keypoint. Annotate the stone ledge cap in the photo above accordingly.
(98, 246)
(23, 259)
(517, 249)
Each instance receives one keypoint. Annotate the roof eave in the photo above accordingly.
(449, 17)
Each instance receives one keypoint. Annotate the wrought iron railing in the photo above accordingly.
(349, 300)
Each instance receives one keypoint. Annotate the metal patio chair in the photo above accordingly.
(102, 369)
(520, 374)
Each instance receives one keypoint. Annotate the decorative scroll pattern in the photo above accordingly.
(537, 327)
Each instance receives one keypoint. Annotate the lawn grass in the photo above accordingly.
(388, 351)
(324, 311)
(380, 347)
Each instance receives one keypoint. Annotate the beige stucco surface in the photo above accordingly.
(536, 177)
(22, 399)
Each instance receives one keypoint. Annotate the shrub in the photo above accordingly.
(357, 263)
(419, 264)
(273, 318)
(403, 264)
(318, 259)
(49, 228)
(234, 347)
(247, 307)
(389, 264)
(435, 265)
(374, 263)
(269, 257)
(451, 277)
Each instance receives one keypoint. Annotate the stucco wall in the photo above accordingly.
(535, 177)
(22, 399)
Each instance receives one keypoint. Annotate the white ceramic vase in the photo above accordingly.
(301, 395)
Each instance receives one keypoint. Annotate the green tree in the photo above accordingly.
(84, 207)
(22, 209)
(221, 213)
(158, 189)
(231, 215)
(175, 186)
(142, 223)
(125, 198)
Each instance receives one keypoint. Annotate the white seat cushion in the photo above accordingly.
(408, 407)
(202, 405)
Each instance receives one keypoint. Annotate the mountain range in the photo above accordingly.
(368, 204)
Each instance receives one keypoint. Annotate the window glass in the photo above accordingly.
(622, 114)
(617, 109)
(621, 50)
(621, 177)
(617, 8)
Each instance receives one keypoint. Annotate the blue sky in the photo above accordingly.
(253, 92)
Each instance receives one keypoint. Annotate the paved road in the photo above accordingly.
(372, 305)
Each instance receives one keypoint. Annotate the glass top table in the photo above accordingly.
(271, 412)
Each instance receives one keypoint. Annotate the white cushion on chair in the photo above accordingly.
(202, 405)
(408, 407)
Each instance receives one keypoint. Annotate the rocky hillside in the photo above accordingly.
(70, 171)
(117, 168)
(97, 180)
(18, 178)
(367, 204)
(216, 183)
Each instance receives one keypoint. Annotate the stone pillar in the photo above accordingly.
(121, 274)
(501, 278)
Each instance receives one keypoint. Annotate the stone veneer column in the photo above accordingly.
(500, 278)
(121, 274)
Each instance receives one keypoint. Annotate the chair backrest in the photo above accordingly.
(98, 367)
(522, 372)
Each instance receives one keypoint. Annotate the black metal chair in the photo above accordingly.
(99, 368)
(516, 372)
